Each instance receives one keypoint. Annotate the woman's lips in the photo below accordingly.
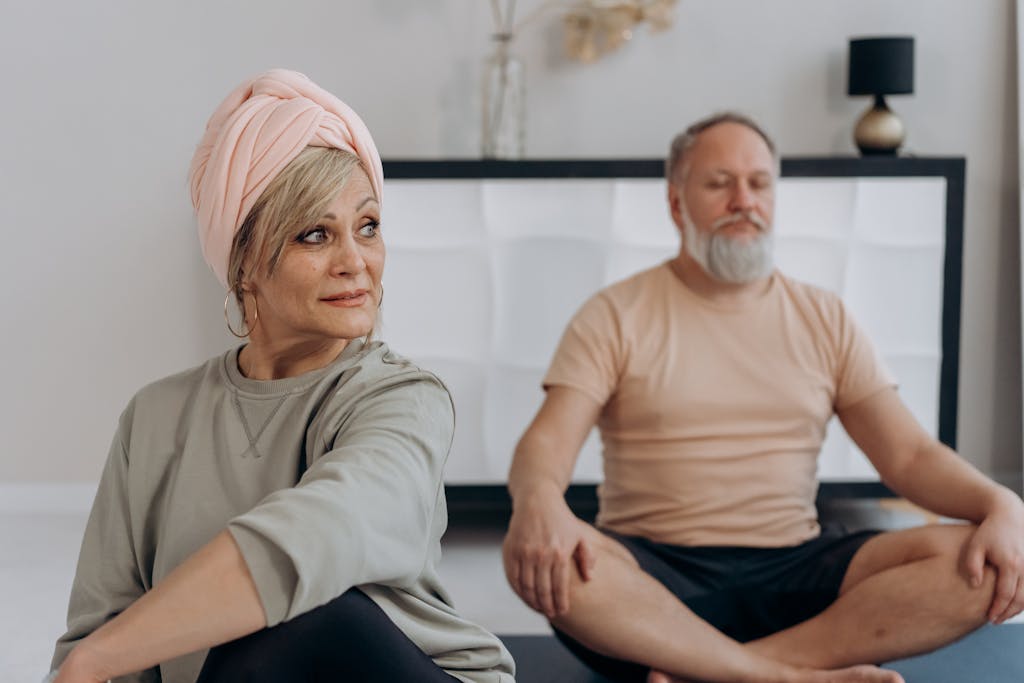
(346, 300)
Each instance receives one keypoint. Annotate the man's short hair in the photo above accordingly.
(682, 143)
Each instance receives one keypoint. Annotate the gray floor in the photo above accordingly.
(990, 655)
(36, 567)
(40, 549)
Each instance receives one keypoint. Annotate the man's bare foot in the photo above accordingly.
(658, 677)
(854, 674)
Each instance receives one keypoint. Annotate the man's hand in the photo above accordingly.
(999, 542)
(545, 542)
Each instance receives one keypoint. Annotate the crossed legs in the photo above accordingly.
(902, 595)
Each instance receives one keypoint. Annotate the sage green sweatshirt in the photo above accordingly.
(327, 481)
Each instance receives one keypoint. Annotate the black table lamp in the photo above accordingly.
(879, 67)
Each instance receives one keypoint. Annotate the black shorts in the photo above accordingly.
(746, 593)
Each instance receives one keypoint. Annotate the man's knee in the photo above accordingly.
(895, 549)
(610, 547)
(927, 542)
(945, 539)
(611, 561)
(979, 599)
(946, 543)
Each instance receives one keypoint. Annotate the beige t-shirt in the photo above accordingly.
(713, 416)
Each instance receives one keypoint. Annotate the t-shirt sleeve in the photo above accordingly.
(589, 355)
(362, 513)
(108, 578)
(860, 370)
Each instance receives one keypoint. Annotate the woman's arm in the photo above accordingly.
(207, 600)
(361, 514)
(109, 577)
(365, 511)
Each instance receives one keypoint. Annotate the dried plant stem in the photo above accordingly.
(503, 20)
(496, 14)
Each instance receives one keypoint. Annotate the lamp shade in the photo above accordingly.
(881, 66)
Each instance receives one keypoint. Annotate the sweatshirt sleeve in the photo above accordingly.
(107, 579)
(363, 512)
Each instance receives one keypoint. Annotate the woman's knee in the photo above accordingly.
(350, 633)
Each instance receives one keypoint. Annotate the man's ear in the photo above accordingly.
(674, 198)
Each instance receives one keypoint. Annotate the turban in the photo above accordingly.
(261, 126)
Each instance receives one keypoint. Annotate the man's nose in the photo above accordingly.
(742, 198)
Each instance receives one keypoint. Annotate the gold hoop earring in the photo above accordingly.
(255, 316)
(380, 302)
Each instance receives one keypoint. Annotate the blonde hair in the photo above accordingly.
(293, 201)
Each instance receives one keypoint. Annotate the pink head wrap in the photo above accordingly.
(252, 136)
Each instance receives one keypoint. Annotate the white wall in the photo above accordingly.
(102, 287)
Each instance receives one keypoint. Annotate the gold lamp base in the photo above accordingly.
(879, 130)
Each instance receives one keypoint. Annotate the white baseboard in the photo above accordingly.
(46, 497)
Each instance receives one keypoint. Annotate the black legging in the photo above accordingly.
(349, 639)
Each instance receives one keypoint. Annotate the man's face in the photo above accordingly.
(723, 200)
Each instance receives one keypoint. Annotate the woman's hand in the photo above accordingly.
(80, 667)
(209, 599)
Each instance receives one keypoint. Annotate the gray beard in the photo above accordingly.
(727, 259)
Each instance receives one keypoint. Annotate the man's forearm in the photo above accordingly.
(939, 480)
(536, 471)
(208, 600)
(546, 454)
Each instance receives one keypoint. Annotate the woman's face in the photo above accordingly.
(327, 284)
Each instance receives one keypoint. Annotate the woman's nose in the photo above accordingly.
(347, 257)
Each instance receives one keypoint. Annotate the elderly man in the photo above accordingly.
(711, 378)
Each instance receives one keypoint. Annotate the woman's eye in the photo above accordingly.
(370, 229)
(314, 236)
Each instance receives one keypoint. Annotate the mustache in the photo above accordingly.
(738, 216)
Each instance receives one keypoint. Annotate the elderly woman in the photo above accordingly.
(283, 502)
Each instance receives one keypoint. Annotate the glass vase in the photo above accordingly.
(504, 102)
